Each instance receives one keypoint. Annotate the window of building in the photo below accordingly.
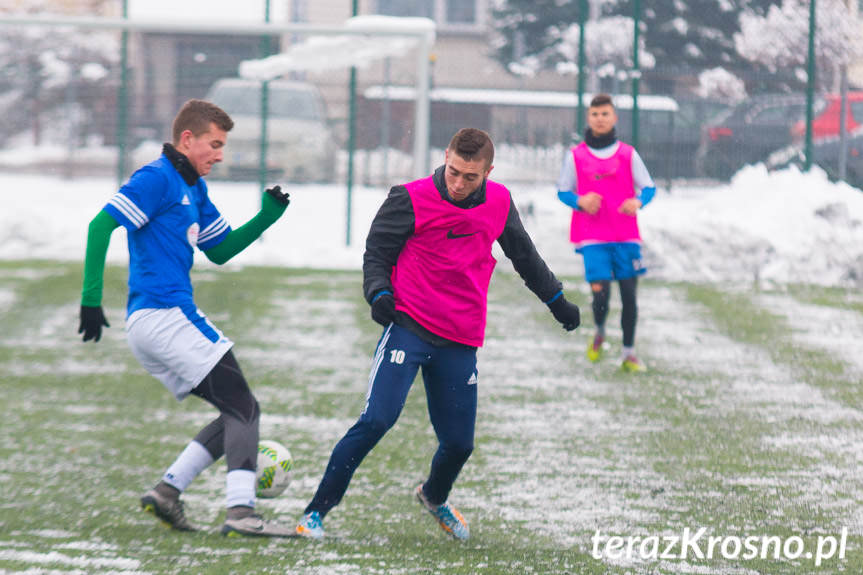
(449, 15)
(460, 12)
(415, 8)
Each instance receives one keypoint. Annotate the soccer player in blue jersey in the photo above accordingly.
(167, 213)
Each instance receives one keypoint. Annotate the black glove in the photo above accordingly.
(92, 320)
(384, 308)
(284, 198)
(565, 312)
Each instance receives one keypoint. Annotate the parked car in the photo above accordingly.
(676, 146)
(825, 154)
(826, 116)
(748, 133)
(300, 143)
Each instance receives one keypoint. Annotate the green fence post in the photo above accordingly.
(265, 107)
(352, 128)
(636, 72)
(810, 88)
(579, 120)
(122, 101)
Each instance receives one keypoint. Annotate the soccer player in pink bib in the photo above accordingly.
(426, 272)
(605, 182)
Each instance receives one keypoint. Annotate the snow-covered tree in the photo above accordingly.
(720, 85)
(42, 68)
(778, 40)
(608, 43)
(678, 37)
(563, 55)
(525, 30)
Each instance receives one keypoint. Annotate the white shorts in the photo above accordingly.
(178, 348)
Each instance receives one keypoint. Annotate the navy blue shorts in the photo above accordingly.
(612, 261)
(449, 374)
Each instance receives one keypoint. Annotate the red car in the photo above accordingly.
(826, 122)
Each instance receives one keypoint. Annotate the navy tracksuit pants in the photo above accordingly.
(450, 376)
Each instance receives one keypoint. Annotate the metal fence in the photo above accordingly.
(82, 101)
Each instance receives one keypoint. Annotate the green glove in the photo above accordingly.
(273, 204)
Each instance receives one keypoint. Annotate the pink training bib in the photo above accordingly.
(611, 178)
(442, 275)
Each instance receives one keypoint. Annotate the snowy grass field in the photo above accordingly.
(748, 424)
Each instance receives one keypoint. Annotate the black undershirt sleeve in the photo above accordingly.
(519, 248)
(390, 229)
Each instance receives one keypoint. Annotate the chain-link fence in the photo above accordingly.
(97, 97)
(75, 102)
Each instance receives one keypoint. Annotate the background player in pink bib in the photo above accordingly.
(605, 182)
(426, 272)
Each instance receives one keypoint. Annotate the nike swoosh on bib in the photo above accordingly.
(451, 235)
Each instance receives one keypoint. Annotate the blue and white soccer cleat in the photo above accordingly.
(311, 526)
(448, 517)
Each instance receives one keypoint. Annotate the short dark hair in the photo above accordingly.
(196, 116)
(601, 100)
(473, 144)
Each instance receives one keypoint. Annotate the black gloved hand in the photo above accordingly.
(284, 198)
(384, 308)
(565, 312)
(92, 320)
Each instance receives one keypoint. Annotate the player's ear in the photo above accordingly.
(185, 139)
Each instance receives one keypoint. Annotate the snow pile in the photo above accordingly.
(784, 226)
(776, 227)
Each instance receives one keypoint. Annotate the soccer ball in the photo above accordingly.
(274, 467)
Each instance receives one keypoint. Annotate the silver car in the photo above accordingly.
(300, 143)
